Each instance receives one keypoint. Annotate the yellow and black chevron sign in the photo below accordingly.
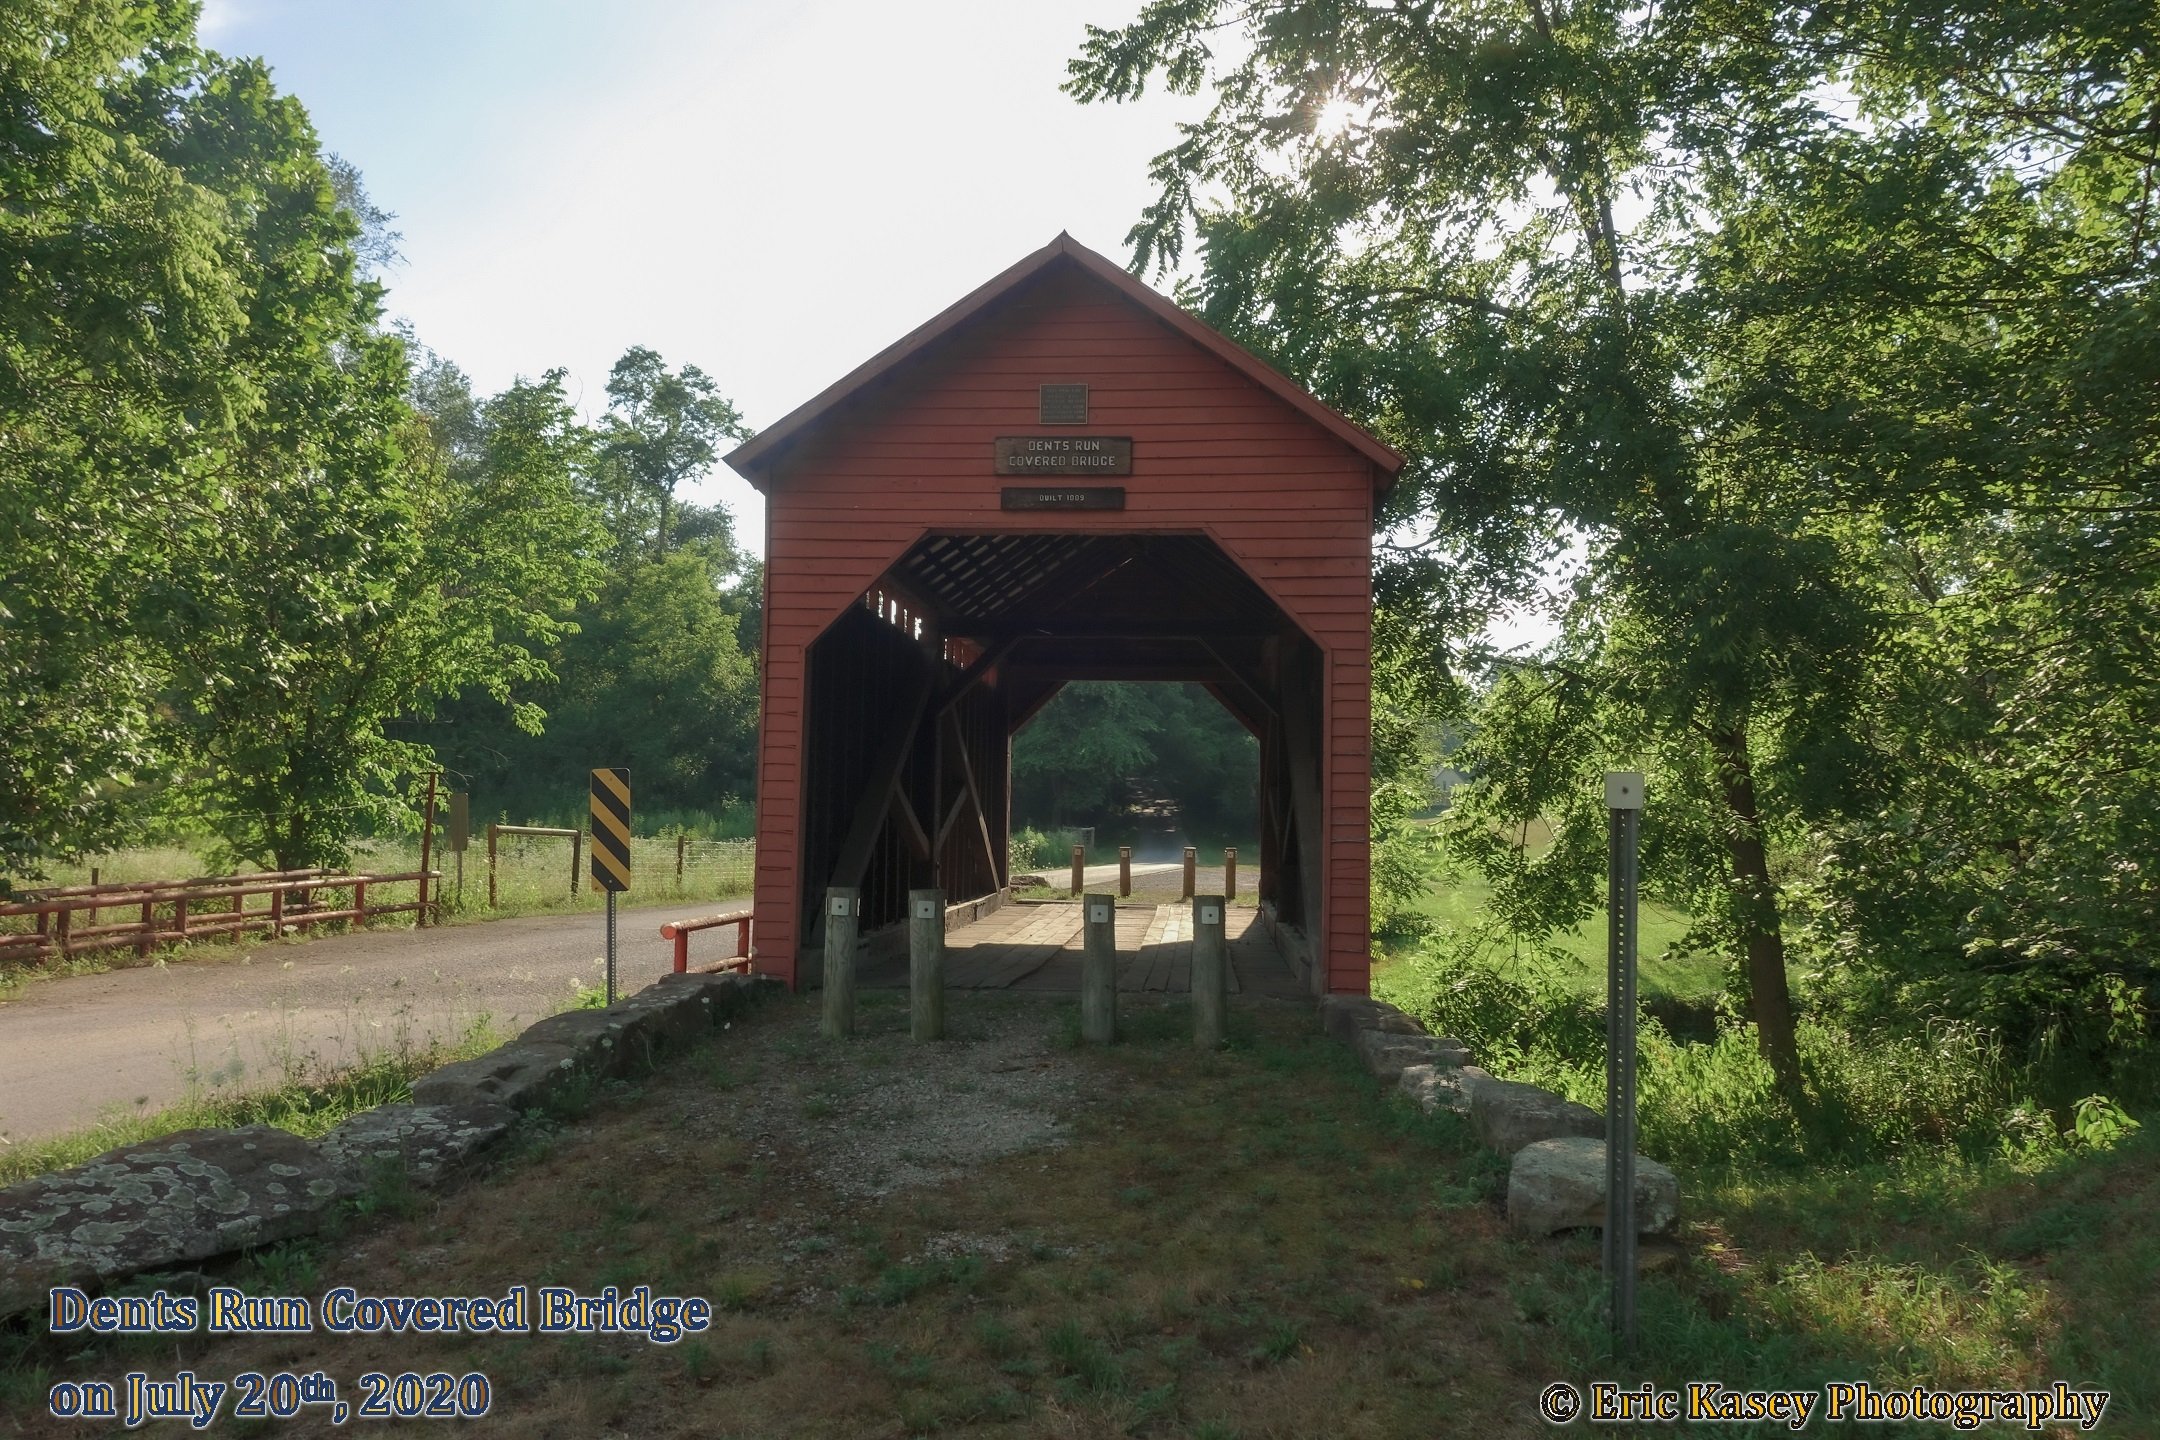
(611, 828)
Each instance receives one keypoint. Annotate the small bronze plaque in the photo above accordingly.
(1046, 497)
(1064, 455)
(1064, 405)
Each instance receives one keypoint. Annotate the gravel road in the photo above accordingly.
(72, 1047)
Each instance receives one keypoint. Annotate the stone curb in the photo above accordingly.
(1556, 1173)
(179, 1200)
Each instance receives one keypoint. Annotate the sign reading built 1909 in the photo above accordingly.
(1064, 455)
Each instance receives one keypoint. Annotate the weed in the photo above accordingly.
(1087, 1363)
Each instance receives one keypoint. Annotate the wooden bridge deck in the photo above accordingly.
(1036, 946)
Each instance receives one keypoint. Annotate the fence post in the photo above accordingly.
(62, 924)
(277, 913)
(1229, 872)
(149, 924)
(1098, 972)
(1124, 872)
(1210, 971)
(427, 848)
(1192, 872)
(682, 842)
(359, 904)
(842, 919)
(577, 843)
(179, 911)
(491, 865)
(926, 964)
(742, 940)
(1079, 866)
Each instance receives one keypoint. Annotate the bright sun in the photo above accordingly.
(1336, 117)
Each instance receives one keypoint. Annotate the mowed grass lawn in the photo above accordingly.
(1665, 971)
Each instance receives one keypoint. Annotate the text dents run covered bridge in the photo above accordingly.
(1062, 477)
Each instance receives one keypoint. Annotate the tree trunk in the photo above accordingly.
(1760, 930)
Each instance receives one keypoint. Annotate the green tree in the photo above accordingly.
(1730, 296)
(122, 283)
(662, 429)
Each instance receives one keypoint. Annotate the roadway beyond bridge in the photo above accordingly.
(146, 1037)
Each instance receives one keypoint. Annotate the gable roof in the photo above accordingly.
(757, 459)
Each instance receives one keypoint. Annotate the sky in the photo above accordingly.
(772, 192)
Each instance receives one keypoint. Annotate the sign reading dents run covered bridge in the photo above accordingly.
(940, 562)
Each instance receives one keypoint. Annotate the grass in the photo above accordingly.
(1665, 970)
(309, 1103)
(1257, 1242)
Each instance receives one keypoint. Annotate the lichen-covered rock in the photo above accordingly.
(1508, 1115)
(521, 1075)
(429, 1142)
(1442, 1087)
(1343, 1016)
(165, 1203)
(1556, 1185)
(1387, 1054)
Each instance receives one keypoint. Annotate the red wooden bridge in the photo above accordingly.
(1062, 477)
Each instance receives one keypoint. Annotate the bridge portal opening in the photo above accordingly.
(916, 693)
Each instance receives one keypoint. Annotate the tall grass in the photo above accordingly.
(1715, 1105)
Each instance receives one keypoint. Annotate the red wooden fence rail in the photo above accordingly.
(188, 917)
(680, 932)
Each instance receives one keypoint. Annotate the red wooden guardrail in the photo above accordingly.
(680, 932)
(184, 917)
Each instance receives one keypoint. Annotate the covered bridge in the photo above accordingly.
(1062, 477)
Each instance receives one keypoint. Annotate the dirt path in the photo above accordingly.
(71, 1047)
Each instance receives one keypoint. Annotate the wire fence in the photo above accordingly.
(532, 872)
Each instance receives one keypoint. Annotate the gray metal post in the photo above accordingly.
(611, 947)
(1623, 802)
(1210, 971)
(843, 904)
(926, 964)
(1098, 971)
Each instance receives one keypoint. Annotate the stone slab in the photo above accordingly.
(1387, 1054)
(1442, 1087)
(430, 1142)
(1508, 1115)
(1559, 1184)
(1343, 1016)
(163, 1204)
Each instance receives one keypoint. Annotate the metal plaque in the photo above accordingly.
(1048, 497)
(1098, 914)
(926, 909)
(460, 821)
(1064, 405)
(1211, 914)
(1063, 454)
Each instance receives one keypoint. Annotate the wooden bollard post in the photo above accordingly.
(1079, 868)
(926, 964)
(492, 838)
(1210, 971)
(1098, 971)
(1124, 871)
(842, 920)
(1229, 872)
(1192, 872)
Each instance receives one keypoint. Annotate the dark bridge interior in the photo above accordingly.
(914, 696)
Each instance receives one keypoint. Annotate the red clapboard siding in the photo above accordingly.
(1217, 451)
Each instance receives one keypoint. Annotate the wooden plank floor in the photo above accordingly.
(1036, 946)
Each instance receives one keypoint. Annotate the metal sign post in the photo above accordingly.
(1623, 804)
(611, 848)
